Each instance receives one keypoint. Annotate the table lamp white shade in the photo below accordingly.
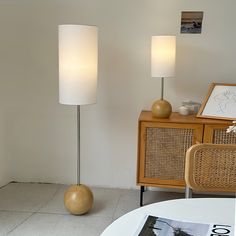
(78, 59)
(163, 56)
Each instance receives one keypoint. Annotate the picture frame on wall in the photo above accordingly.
(220, 102)
(191, 22)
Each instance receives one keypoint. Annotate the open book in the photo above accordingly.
(153, 225)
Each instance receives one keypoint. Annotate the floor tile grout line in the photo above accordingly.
(18, 211)
(18, 225)
(61, 214)
(44, 204)
(36, 212)
(52, 213)
(112, 217)
(76, 216)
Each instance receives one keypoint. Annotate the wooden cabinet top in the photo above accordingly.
(177, 118)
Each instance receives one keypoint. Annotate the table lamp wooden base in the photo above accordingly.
(161, 109)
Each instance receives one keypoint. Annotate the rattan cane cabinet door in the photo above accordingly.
(217, 134)
(162, 148)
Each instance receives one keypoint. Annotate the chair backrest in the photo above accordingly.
(211, 167)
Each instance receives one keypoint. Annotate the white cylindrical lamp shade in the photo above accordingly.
(78, 59)
(163, 56)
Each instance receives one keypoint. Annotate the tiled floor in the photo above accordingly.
(38, 209)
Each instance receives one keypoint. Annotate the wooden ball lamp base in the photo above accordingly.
(161, 109)
(78, 199)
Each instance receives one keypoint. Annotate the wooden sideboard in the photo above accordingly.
(162, 144)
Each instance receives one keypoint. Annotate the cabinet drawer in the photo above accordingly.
(217, 134)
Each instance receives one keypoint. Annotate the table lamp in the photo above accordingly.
(78, 53)
(163, 65)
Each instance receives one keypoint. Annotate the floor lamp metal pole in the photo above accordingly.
(78, 199)
(78, 144)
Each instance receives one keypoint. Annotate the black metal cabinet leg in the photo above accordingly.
(141, 195)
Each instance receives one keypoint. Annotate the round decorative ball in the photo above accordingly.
(161, 109)
(78, 199)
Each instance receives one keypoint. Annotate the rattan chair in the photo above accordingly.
(210, 168)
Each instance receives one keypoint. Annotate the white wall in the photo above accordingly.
(38, 136)
(4, 163)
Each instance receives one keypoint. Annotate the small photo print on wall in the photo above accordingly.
(191, 22)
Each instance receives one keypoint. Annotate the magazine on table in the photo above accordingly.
(154, 225)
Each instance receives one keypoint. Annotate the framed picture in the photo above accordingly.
(191, 22)
(220, 102)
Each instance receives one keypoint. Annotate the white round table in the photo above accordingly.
(202, 210)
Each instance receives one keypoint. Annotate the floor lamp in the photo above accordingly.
(163, 65)
(78, 53)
